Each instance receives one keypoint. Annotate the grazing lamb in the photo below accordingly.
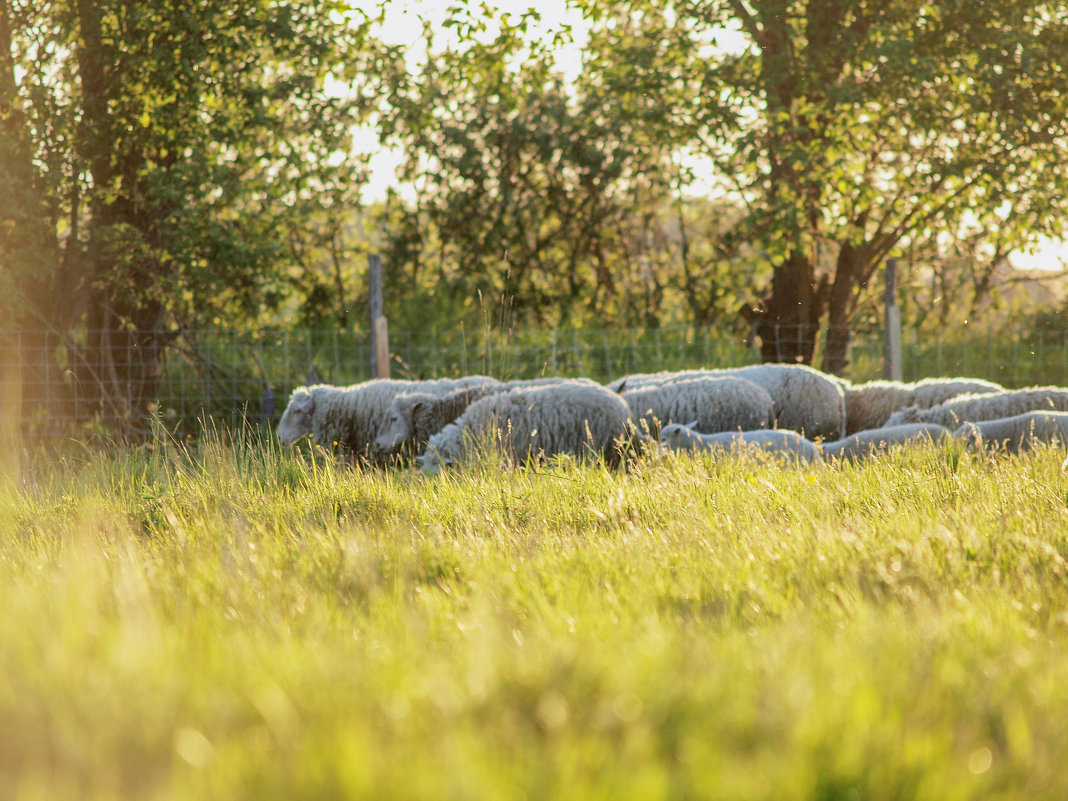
(976, 407)
(865, 443)
(577, 417)
(346, 419)
(789, 445)
(1016, 433)
(869, 405)
(720, 403)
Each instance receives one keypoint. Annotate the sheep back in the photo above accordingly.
(416, 416)
(929, 392)
(720, 403)
(578, 417)
(977, 407)
(870, 405)
(807, 400)
(865, 443)
(1015, 433)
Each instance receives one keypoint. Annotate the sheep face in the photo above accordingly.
(297, 420)
(677, 436)
(399, 428)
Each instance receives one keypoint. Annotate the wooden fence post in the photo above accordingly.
(10, 403)
(379, 329)
(892, 333)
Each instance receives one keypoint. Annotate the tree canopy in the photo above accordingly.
(158, 158)
(841, 132)
(853, 129)
(168, 165)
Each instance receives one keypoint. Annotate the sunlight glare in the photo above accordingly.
(1048, 254)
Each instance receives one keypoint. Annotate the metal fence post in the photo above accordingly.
(892, 322)
(964, 369)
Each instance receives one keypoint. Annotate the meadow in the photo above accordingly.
(225, 619)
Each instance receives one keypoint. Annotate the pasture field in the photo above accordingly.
(227, 620)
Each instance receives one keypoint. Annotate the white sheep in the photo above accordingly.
(346, 419)
(865, 443)
(416, 416)
(577, 417)
(806, 400)
(1016, 433)
(780, 443)
(715, 403)
(976, 407)
(542, 381)
(634, 381)
(869, 405)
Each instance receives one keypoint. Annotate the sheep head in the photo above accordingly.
(678, 435)
(400, 427)
(297, 419)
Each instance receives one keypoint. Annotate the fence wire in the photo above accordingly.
(53, 383)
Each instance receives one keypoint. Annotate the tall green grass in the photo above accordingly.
(228, 620)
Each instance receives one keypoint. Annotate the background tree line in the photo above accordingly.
(168, 166)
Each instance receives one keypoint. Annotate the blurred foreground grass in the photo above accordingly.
(231, 621)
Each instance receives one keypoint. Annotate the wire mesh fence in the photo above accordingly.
(54, 383)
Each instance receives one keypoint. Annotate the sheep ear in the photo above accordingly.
(622, 385)
(691, 426)
(305, 403)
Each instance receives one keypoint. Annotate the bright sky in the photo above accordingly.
(404, 19)
(1050, 254)
(404, 25)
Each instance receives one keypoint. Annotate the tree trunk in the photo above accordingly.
(840, 309)
(120, 364)
(789, 322)
(31, 258)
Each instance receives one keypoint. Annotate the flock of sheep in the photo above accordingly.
(794, 412)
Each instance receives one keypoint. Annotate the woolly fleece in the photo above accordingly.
(346, 419)
(721, 403)
(977, 407)
(577, 417)
(416, 416)
(806, 400)
(869, 405)
(1016, 433)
